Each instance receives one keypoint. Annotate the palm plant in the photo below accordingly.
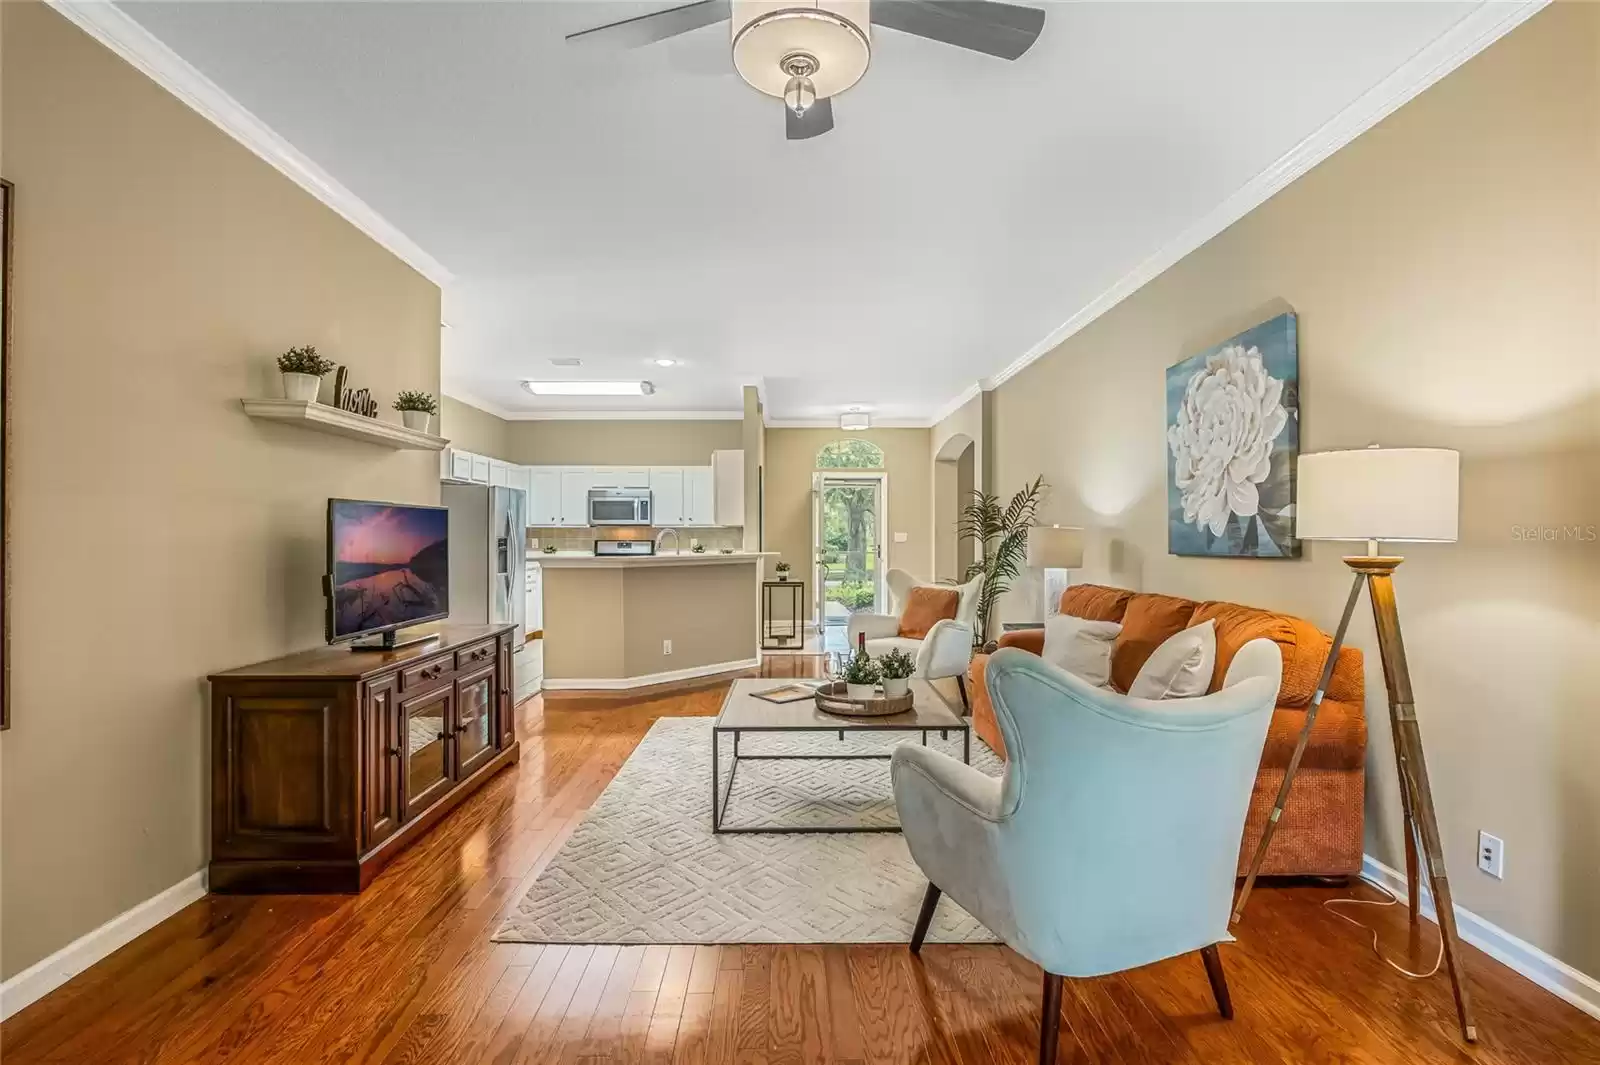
(1000, 539)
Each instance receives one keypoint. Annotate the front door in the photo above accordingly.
(847, 535)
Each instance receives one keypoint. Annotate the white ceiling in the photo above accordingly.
(618, 207)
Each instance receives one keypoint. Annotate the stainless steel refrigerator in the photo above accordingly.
(487, 555)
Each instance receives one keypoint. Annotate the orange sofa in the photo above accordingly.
(1320, 832)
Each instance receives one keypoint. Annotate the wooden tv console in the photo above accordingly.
(327, 763)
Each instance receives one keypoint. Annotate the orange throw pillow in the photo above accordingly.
(924, 606)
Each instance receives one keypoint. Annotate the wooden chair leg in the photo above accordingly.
(1050, 1020)
(925, 918)
(1219, 982)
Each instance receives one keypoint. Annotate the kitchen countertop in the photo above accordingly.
(587, 559)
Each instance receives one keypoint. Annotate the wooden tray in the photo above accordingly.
(831, 699)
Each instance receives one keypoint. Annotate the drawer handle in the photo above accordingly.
(394, 752)
(444, 736)
(461, 728)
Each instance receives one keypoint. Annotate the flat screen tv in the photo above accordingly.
(388, 567)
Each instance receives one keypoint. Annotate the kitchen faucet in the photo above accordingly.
(676, 548)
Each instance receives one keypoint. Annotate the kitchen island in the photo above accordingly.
(616, 623)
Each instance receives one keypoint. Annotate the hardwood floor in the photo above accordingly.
(405, 972)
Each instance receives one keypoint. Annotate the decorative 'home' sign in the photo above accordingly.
(359, 401)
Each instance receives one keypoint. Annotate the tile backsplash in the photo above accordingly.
(582, 539)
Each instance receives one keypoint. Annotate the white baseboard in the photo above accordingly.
(614, 684)
(43, 977)
(1550, 973)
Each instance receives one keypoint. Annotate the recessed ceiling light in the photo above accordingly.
(665, 362)
(589, 388)
(568, 361)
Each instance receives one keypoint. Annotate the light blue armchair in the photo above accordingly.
(1111, 839)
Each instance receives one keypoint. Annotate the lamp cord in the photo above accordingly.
(1392, 900)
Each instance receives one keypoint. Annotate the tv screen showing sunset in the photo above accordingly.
(390, 565)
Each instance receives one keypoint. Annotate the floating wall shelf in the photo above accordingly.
(325, 419)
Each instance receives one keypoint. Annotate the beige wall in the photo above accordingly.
(159, 534)
(956, 474)
(606, 622)
(621, 443)
(471, 429)
(791, 460)
(1446, 271)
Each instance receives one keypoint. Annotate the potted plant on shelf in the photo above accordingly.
(302, 370)
(896, 667)
(416, 409)
(860, 675)
(783, 570)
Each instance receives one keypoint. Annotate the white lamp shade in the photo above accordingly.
(1391, 493)
(1055, 547)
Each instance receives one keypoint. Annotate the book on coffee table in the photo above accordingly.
(786, 693)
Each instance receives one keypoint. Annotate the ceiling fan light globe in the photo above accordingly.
(799, 95)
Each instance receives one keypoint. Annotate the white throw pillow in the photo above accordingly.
(1082, 648)
(1181, 667)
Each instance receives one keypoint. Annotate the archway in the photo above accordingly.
(954, 477)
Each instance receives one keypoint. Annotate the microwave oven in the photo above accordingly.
(619, 506)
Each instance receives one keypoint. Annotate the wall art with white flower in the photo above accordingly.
(1233, 434)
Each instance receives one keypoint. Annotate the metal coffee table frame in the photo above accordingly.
(720, 795)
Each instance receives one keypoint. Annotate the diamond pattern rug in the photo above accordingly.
(644, 866)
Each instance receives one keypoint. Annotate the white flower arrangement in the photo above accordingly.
(1221, 439)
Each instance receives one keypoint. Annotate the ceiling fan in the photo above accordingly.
(806, 52)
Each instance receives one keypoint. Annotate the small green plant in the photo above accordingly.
(861, 669)
(304, 360)
(896, 664)
(698, 549)
(422, 401)
(782, 567)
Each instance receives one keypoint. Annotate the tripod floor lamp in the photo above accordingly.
(1394, 495)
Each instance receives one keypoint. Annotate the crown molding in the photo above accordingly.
(1475, 31)
(962, 398)
(109, 25)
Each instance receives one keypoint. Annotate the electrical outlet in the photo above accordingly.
(1492, 855)
(666, 647)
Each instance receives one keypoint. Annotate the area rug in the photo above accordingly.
(644, 866)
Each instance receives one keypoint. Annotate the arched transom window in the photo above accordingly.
(850, 455)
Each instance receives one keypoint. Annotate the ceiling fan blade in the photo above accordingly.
(658, 26)
(1004, 30)
(817, 120)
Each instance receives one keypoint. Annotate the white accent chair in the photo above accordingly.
(947, 649)
(1111, 839)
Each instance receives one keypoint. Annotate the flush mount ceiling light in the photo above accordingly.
(805, 52)
(590, 388)
(855, 422)
(665, 362)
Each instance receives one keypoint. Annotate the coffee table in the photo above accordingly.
(742, 712)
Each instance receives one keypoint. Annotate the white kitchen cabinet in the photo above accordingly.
(699, 496)
(727, 472)
(666, 495)
(544, 496)
(622, 477)
(534, 605)
(458, 465)
(575, 484)
(499, 474)
(481, 465)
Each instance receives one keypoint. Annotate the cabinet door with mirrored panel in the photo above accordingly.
(426, 772)
(475, 706)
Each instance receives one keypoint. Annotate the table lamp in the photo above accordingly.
(1394, 495)
(1054, 549)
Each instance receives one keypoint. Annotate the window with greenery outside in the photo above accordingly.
(850, 455)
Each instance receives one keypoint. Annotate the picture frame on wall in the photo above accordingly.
(7, 209)
(1233, 435)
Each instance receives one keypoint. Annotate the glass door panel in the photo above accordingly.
(475, 711)
(427, 774)
(849, 556)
